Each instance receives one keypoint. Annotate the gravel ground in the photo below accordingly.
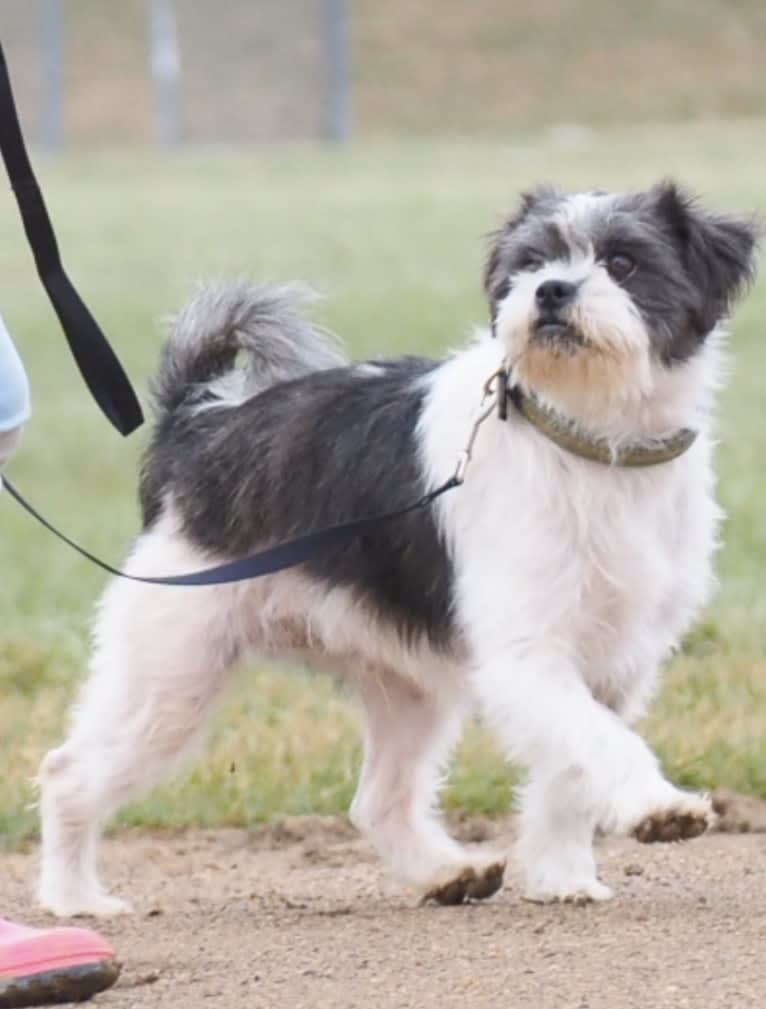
(301, 915)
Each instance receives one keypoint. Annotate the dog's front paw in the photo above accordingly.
(471, 883)
(96, 905)
(579, 891)
(688, 817)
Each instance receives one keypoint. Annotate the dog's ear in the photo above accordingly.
(496, 271)
(718, 251)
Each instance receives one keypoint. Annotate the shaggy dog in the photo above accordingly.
(544, 593)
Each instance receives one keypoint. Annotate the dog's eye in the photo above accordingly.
(531, 260)
(619, 266)
(502, 289)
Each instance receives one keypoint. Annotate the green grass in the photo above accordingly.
(394, 234)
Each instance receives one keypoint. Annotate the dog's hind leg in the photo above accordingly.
(160, 661)
(408, 738)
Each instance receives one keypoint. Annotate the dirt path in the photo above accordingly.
(302, 916)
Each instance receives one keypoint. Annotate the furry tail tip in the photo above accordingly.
(267, 325)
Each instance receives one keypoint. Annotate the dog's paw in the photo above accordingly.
(573, 891)
(472, 883)
(689, 817)
(97, 905)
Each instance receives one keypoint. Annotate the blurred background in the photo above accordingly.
(195, 71)
(366, 148)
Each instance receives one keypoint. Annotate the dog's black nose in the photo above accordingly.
(552, 295)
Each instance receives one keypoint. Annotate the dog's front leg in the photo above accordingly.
(587, 769)
(409, 735)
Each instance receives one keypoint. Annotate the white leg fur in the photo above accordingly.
(408, 738)
(160, 662)
(155, 674)
(588, 771)
(555, 844)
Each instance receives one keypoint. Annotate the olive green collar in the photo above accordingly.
(568, 436)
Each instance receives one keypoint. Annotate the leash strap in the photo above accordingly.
(98, 364)
(266, 562)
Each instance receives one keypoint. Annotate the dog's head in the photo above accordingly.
(600, 298)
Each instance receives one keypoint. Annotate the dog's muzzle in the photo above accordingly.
(553, 299)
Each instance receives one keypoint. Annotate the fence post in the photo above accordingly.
(165, 62)
(52, 46)
(337, 35)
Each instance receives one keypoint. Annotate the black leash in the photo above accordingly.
(96, 360)
(111, 388)
(266, 562)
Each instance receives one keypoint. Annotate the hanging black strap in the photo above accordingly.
(96, 360)
(266, 562)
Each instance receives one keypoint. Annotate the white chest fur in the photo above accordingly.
(604, 566)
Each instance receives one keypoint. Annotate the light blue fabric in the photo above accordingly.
(14, 386)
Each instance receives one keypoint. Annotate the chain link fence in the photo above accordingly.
(243, 71)
(179, 70)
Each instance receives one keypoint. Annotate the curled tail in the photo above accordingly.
(269, 325)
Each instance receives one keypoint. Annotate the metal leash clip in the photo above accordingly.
(493, 397)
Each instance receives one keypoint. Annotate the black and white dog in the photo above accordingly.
(545, 592)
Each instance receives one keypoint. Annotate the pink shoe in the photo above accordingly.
(43, 966)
